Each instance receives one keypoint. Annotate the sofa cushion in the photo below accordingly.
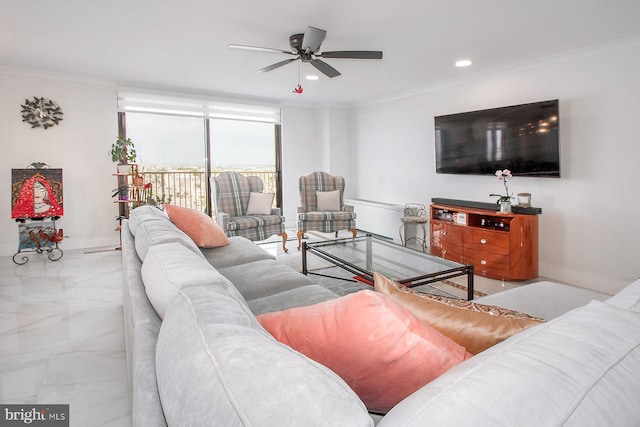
(265, 277)
(546, 300)
(145, 213)
(141, 326)
(578, 369)
(237, 223)
(155, 232)
(377, 346)
(170, 266)
(216, 365)
(297, 297)
(628, 297)
(317, 217)
(239, 251)
(201, 228)
(474, 326)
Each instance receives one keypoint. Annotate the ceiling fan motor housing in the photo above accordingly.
(295, 41)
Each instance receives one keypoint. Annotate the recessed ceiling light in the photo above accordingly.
(311, 77)
(463, 63)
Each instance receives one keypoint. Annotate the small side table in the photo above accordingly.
(414, 214)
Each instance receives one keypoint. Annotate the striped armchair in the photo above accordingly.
(315, 211)
(231, 191)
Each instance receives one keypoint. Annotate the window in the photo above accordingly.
(245, 147)
(171, 155)
(181, 142)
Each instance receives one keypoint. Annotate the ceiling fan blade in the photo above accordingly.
(312, 39)
(276, 65)
(259, 49)
(352, 54)
(325, 68)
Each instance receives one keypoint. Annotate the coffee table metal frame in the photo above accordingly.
(322, 250)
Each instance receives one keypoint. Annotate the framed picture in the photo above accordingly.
(36, 193)
(36, 235)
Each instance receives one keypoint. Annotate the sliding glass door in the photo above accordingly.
(178, 153)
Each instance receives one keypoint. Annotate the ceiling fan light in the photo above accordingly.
(463, 63)
(312, 77)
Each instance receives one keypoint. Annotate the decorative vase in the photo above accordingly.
(505, 206)
(124, 169)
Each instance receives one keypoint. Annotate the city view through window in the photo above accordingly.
(171, 154)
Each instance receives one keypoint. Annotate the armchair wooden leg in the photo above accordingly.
(300, 234)
(353, 231)
(284, 241)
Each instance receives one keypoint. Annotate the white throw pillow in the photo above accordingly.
(328, 200)
(260, 203)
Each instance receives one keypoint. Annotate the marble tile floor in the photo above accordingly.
(62, 335)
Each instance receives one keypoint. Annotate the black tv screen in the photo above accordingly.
(521, 138)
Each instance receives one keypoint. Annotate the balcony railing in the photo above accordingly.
(189, 188)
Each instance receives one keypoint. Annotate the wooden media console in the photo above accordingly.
(499, 245)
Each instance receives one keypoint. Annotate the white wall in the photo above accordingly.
(303, 151)
(78, 145)
(590, 225)
(340, 143)
(314, 139)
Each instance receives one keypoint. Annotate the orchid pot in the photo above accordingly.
(505, 206)
(504, 201)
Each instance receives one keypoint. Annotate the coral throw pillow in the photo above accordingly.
(377, 346)
(474, 326)
(198, 226)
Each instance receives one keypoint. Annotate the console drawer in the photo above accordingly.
(446, 241)
(488, 264)
(451, 252)
(446, 233)
(496, 242)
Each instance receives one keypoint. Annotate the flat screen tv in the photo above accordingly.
(521, 138)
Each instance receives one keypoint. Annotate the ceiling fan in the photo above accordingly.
(305, 47)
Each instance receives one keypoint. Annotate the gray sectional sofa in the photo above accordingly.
(197, 356)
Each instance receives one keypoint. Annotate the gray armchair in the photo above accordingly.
(322, 205)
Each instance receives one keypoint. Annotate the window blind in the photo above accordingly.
(140, 101)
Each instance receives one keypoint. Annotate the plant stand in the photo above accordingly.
(39, 236)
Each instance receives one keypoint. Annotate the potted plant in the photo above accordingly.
(138, 180)
(122, 192)
(504, 201)
(124, 153)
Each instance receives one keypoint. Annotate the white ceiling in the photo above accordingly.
(182, 44)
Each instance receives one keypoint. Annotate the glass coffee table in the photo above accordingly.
(362, 256)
